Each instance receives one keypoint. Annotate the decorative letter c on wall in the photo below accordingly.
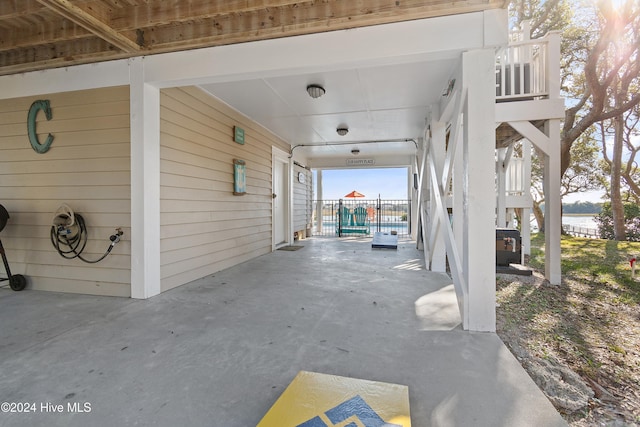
(31, 126)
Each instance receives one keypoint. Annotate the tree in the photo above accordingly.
(600, 54)
(605, 57)
(590, 58)
(631, 221)
(622, 85)
(583, 174)
(617, 137)
(543, 16)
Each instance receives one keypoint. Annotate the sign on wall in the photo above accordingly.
(239, 177)
(361, 162)
(238, 135)
(31, 126)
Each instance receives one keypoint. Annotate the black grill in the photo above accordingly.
(17, 282)
(4, 216)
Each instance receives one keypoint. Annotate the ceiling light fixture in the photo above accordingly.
(315, 91)
(342, 131)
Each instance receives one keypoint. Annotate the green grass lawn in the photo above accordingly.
(595, 261)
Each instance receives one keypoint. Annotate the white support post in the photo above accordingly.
(458, 190)
(502, 188)
(409, 180)
(510, 218)
(145, 184)
(525, 233)
(437, 151)
(319, 202)
(458, 172)
(552, 205)
(457, 273)
(478, 68)
(525, 228)
(414, 199)
(423, 185)
(553, 64)
(552, 178)
(290, 227)
(409, 192)
(454, 137)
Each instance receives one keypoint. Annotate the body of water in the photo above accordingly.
(585, 221)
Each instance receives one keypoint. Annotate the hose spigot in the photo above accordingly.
(115, 238)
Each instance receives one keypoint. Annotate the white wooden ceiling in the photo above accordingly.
(379, 104)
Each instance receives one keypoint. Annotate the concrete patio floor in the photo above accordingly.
(221, 350)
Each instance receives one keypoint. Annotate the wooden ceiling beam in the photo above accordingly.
(41, 34)
(307, 18)
(55, 55)
(92, 20)
(13, 9)
(46, 33)
(153, 14)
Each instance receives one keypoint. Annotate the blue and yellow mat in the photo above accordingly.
(320, 400)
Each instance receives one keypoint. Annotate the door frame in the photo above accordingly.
(278, 158)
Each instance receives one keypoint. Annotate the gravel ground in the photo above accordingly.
(589, 329)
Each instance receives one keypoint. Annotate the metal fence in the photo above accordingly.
(581, 231)
(348, 217)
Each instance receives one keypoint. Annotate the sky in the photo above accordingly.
(390, 183)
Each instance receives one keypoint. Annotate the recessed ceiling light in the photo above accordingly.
(315, 91)
(342, 131)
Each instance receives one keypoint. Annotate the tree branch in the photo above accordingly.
(635, 188)
(635, 100)
(604, 144)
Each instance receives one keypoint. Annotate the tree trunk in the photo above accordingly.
(617, 209)
(537, 212)
(518, 215)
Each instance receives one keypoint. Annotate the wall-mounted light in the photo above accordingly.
(342, 131)
(315, 91)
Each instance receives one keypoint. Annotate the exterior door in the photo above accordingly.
(280, 198)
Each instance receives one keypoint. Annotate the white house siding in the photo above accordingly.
(87, 167)
(204, 227)
(302, 201)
